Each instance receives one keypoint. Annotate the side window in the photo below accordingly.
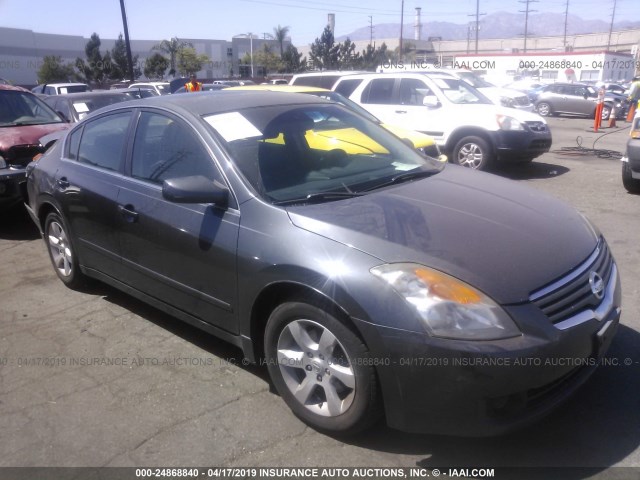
(73, 142)
(346, 87)
(379, 91)
(103, 141)
(166, 148)
(412, 91)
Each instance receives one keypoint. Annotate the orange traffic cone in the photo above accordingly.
(598, 118)
(612, 117)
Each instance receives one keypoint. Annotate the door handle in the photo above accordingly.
(401, 111)
(128, 213)
(63, 182)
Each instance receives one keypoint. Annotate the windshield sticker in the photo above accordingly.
(233, 126)
(81, 107)
(403, 166)
(63, 90)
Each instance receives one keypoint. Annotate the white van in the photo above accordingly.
(466, 125)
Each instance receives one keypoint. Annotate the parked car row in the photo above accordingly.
(365, 276)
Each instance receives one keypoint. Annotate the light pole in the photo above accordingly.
(251, 51)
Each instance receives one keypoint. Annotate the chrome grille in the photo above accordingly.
(572, 294)
(523, 101)
(537, 126)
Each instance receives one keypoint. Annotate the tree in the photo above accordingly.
(172, 48)
(52, 71)
(280, 34)
(269, 61)
(155, 66)
(95, 69)
(188, 61)
(324, 52)
(348, 58)
(371, 57)
(292, 60)
(120, 65)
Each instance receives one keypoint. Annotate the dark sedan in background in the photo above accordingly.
(73, 107)
(372, 282)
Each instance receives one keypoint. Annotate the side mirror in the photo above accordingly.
(431, 101)
(195, 189)
(586, 96)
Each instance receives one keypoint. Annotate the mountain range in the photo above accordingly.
(495, 25)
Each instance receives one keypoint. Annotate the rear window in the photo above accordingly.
(322, 81)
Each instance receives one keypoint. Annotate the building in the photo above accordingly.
(22, 52)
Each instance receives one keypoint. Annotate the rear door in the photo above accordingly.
(182, 254)
(87, 184)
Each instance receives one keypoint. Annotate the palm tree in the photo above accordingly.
(280, 33)
(171, 48)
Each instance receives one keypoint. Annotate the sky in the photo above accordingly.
(222, 19)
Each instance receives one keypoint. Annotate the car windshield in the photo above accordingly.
(22, 108)
(85, 105)
(474, 80)
(294, 153)
(459, 92)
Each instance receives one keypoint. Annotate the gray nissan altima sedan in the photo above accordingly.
(370, 280)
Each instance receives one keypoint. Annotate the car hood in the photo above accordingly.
(503, 238)
(498, 92)
(27, 134)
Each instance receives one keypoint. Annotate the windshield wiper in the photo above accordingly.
(404, 177)
(319, 197)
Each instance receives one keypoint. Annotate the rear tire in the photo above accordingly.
(632, 185)
(320, 369)
(62, 253)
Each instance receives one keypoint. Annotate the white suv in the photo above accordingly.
(472, 130)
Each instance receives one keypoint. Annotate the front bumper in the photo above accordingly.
(522, 145)
(451, 387)
(10, 186)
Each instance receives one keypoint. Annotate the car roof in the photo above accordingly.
(63, 84)
(280, 88)
(136, 84)
(77, 95)
(220, 101)
(13, 88)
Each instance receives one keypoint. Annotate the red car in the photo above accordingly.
(24, 119)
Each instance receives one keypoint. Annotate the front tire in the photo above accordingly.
(473, 152)
(320, 368)
(632, 185)
(61, 252)
(544, 109)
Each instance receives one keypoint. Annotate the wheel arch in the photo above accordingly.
(462, 132)
(281, 292)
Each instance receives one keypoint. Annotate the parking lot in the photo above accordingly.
(97, 378)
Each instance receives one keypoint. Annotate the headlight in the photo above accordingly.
(448, 307)
(509, 123)
(3, 163)
(507, 102)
